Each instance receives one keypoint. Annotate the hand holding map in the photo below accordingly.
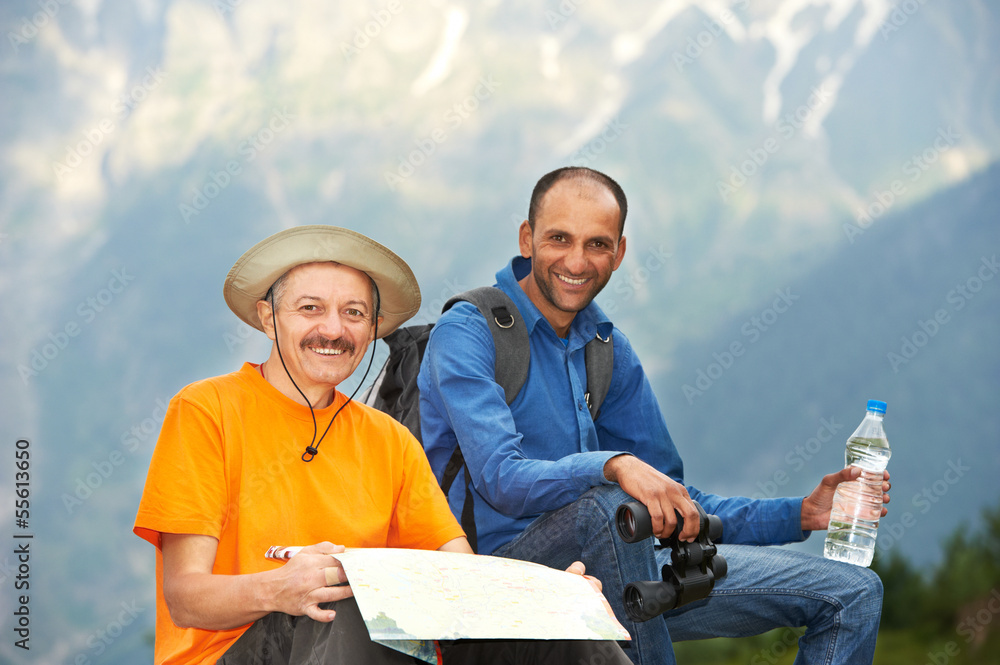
(407, 597)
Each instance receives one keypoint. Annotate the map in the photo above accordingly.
(409, 598)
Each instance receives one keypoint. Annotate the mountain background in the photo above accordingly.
(814, 202)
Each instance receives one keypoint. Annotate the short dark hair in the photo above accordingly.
(547, 181)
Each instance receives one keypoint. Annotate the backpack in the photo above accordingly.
(395, 390)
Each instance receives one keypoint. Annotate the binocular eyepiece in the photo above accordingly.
(693, 569)
(634, 523)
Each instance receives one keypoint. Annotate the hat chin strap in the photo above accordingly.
(313, 448)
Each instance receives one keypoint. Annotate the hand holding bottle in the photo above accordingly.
(816, 507)
(857, 504)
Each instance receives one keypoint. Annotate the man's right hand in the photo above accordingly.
(198, 598)
(661, 495)
(306, 580)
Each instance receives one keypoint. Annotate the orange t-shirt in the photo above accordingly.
(228, 465)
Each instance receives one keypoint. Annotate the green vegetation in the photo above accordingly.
(946, 616)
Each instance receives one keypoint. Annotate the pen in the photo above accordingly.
(281, 553)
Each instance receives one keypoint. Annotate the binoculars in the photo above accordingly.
(693, 569)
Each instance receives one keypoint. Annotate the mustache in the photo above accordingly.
(337, 344)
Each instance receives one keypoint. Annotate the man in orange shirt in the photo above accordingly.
(231, 474)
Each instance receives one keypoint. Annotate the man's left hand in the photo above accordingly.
(577, 568)
(816, 507)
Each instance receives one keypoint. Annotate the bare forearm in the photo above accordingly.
(198, 598)
(216, 602)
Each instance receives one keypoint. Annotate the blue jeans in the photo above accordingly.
(765, 588)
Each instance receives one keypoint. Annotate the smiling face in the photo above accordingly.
(574, 248)
(324, 326)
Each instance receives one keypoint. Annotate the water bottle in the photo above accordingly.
(857, 505)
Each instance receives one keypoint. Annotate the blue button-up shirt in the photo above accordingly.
(544, 450)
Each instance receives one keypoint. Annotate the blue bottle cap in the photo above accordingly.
(876, 405)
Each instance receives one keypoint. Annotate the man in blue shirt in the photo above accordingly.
(547, 477)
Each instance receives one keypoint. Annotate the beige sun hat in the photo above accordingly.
(254, 273)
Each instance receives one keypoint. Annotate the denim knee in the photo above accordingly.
(605, 499)
(868, 591)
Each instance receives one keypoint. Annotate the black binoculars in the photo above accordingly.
(693, 569)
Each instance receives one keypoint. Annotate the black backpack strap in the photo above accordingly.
(510, 336)
(599, 358)
(469, 512)
(510, 339)
(396, 384)
(455, 464)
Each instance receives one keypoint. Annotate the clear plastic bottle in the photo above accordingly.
(857, 505)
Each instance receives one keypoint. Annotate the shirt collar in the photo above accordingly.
(587, 323)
